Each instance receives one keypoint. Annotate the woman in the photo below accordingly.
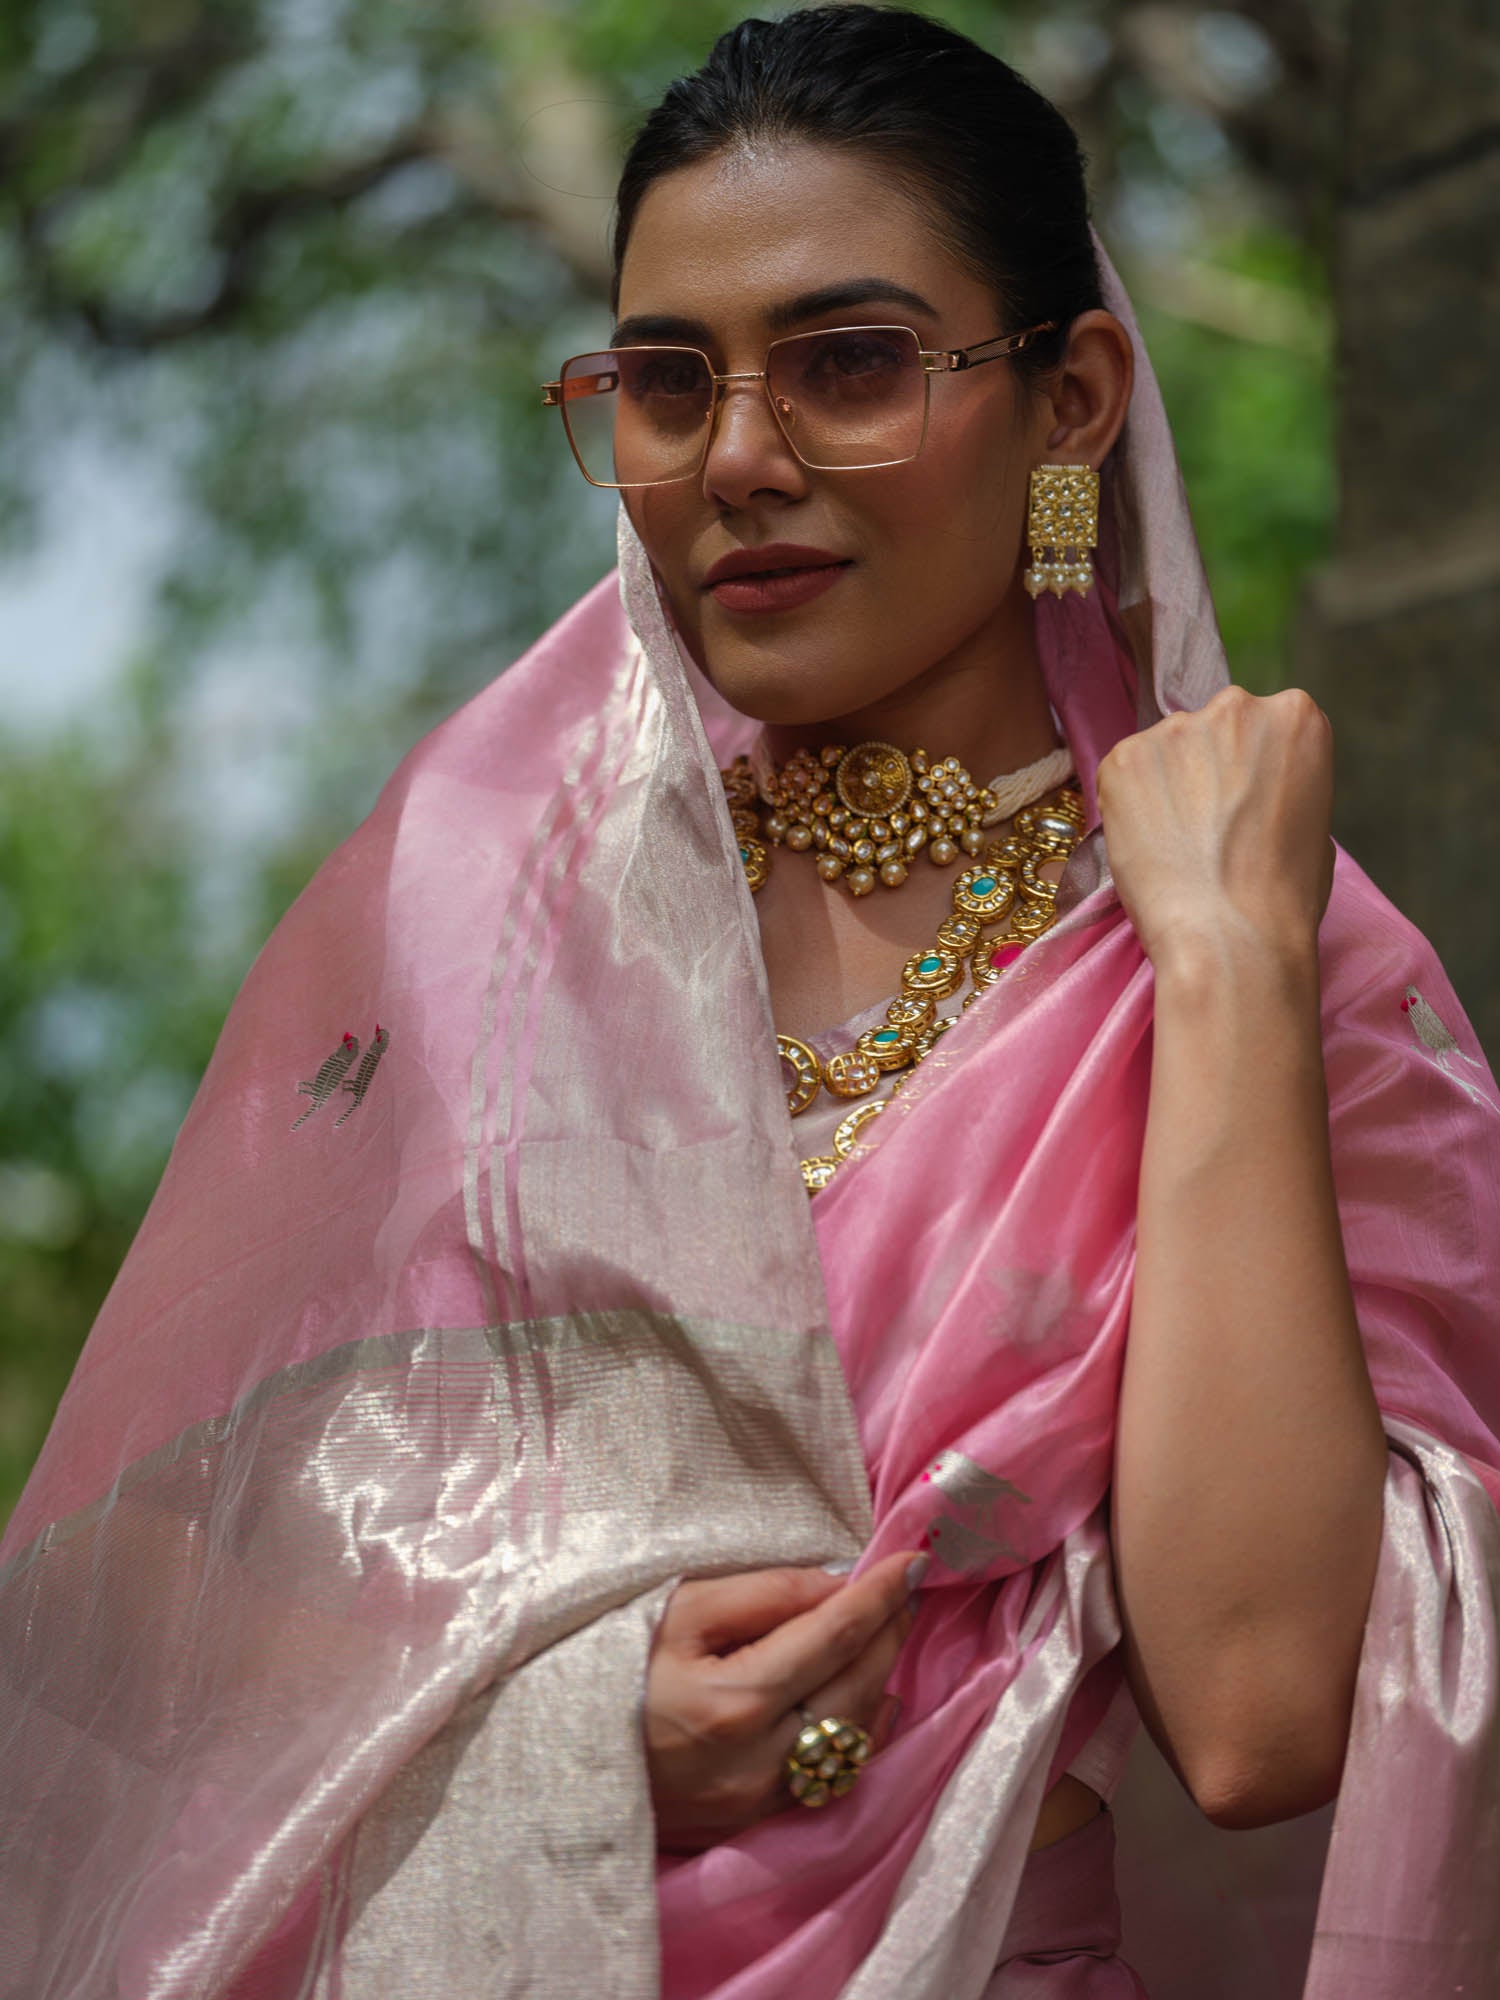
(473, 1489)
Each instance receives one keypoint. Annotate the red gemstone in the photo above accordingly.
(1406, 1006)
(1005, 954)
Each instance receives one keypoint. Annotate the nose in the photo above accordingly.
(748, 455)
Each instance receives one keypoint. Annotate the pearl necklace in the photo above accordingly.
(1003, 888)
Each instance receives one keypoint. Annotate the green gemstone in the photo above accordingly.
(885, 1036)
(744, 854)
(930, 964)
(983, 885)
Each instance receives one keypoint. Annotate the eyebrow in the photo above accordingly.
(780, 317)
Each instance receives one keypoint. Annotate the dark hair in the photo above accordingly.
(996, 164)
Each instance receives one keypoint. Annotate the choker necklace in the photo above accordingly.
(866, 812)
(842, 804)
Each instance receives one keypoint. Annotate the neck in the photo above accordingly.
(985, 703)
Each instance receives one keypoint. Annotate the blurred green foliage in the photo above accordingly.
(307, 261)
(1253, 425)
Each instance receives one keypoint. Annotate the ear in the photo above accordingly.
(1089, 392)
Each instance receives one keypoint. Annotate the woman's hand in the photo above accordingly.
(1219, 818)
(733, 1658)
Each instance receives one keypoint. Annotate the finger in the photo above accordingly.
(855, 1696)
(719, 1614)
(858, 1693)
(808, 1650)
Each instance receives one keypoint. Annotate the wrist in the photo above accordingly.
(1230, 952)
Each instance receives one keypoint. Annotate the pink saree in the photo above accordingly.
(481, 1301)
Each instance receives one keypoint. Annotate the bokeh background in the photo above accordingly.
(278, 279)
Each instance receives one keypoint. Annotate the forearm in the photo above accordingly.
(1250, 1458)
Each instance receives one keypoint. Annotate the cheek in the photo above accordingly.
(953, 522)
(666, 535)
(978, 478)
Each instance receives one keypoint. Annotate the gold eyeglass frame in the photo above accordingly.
(935, 361)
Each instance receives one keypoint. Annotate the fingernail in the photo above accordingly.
(916, 1569)
(839, 1568)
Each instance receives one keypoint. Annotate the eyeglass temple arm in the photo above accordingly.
(1003, 343)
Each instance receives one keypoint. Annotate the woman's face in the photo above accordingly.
(727, 255)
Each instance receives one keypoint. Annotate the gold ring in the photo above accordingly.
(826, 1758)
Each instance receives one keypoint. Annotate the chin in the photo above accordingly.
(767, 686)
(778, 698)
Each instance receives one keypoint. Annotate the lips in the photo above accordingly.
(776, 590)
(772, 559)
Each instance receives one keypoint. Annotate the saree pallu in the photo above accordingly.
(481, 1301)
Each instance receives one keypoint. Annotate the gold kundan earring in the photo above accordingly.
(1062, 527)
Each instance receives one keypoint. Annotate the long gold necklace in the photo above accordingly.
(999, 905)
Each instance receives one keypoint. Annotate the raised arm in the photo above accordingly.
(1250, 1456)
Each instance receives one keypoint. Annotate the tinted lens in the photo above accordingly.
(637, 415)
(854, 396)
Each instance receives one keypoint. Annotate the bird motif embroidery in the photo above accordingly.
(333, 1074)
(359, 1083)
(1440, 1043)
(973, 1544)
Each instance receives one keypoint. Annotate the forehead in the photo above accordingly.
(725, 240)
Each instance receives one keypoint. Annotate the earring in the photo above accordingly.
(1062, 526)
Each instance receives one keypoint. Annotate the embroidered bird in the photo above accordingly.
(1430, 1031)
(963, 1549)
(976, 1542)
(1425, 1024)
(359, 1083)
(328, 1078)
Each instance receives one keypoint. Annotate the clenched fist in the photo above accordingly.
(1217, 821)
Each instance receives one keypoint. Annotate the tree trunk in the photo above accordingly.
(1401, 642)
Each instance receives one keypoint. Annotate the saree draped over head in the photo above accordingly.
(481, 1301)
